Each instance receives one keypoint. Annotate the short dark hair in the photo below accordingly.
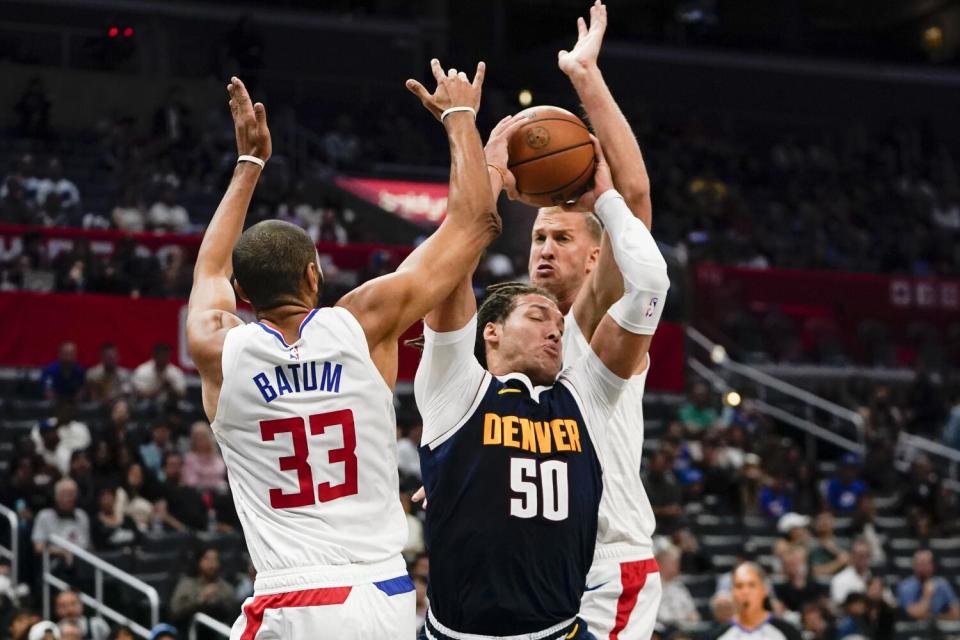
(269, 261)
(162, 347)
(500, 303)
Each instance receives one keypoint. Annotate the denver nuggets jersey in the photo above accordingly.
(626, 523)
(513, 480)
(308, 434)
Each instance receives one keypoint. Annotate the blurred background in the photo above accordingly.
(804, 164)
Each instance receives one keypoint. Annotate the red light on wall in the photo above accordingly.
(128, 32)
(113, 32)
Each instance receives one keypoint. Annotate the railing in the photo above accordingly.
(96, 601)
(203, 620)
(14, 551)
(777, 392)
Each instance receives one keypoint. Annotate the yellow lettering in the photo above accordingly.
(527, 442)
(574, 432)
(542, 430)
(558, 435)
(491, 429)
(510, 432)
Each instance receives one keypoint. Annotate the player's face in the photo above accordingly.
(562, 252)
(748, 590)
(529, 339)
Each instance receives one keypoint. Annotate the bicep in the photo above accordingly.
(212, 292)
(206, 333)
(621, 351)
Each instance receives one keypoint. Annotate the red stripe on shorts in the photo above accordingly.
(306, 598)
(633, 575)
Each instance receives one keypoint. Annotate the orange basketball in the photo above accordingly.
(551, 157)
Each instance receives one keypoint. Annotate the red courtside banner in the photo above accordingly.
(416, 201)
(35, 323)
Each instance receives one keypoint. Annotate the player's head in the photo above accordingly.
(749, 589)
(564, 248)
(275, 263)
(519, 330)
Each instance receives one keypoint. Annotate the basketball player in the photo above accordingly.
(623, 588)
(301, 401)
(510, 452)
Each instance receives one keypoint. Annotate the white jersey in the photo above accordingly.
(626, 522)
(308, 434)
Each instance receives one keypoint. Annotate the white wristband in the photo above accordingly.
(254, 159)
(455, 109)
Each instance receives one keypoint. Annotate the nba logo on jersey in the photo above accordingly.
(651, 307)
(294, 353)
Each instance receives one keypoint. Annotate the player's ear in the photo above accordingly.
(314, 276)
(238, 290)
(491, 333)
(592, 258)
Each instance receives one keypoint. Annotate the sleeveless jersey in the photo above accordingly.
(513, 486)
(308, 434)
(626, 523)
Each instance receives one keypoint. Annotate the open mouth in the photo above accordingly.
(545, 270)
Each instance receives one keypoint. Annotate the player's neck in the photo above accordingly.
(286, 319)
(753, 620)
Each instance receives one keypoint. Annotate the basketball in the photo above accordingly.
(551, 157)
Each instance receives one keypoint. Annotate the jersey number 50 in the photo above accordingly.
(299, 462)
(553, 494)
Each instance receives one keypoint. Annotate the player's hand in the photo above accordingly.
(602, 181)
(420, 496)
(584, 55)
(454, 89)
(249, 122)
(497, 154)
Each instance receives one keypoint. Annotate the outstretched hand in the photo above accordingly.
(602, 181)
(454, 89)
(250, 122)
(584, 54)
(497, 153)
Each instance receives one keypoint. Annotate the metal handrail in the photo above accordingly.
(14, 551)
(721, 359)
(101, 567)
(203, 620)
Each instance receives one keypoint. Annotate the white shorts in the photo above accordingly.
(621, 599)
(372, 611)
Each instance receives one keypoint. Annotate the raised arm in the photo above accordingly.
(212, 307)
(622, 338)
(387, 306)
(604, 286)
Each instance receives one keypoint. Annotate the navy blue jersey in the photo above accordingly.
(512, 519)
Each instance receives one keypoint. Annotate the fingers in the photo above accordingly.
(419, 495)
(417, 89)
(260, 112)
(562, 53)
(598, 16)
(480, 74)
(463, 76)
(437, 70)
(515, 123)
(581, 28)
(240, 94)
(597, 150)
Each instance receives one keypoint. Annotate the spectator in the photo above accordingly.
(845, 489)
(132, 500)
(697, 415)
(129, 214)
(69, 609)
(81, 472)
(864, 526)
(793, 528)
(164, 631)
(798, 591)
(70, 631)
(56, 183)
(676, 604)
(826, 556)
(107, 380)
(341, 145)
(664, 493)
(21, 623)
(159, 378)
(408, 459)
(160, 444)
(33, 110)
(775, 499)
(203, 467)
(817, 623)
(167, 215)
(923, 595)
(16, 207)
(57, 438)
(693, 560)
(331, 230)
(124, 633)
(181, 507)
(204, 592)
(923, 486)
(44, 630)
(855, 577)
(722, 607)
(112, 529)
(64, 520)
(63, 379)
(751, 617)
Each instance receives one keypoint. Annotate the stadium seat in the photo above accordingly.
(146, 562)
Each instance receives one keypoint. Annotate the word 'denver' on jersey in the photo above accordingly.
(560, 434)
